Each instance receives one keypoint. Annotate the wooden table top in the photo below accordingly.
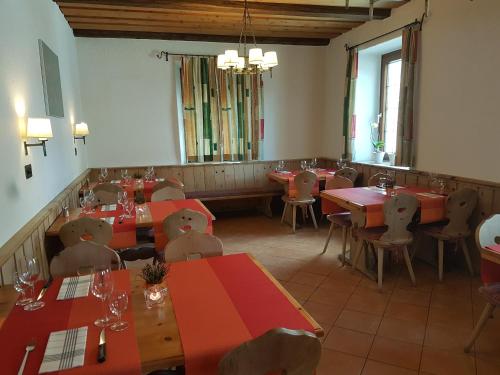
(157, 333)
(143, 220)
(282, 178)
(491, 253)
(138, 184)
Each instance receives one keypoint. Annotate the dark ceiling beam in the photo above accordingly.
(196, 37)
(351, 13)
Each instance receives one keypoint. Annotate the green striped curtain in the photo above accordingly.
(223, 112)
(349, 119)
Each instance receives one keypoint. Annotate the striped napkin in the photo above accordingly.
(109, 220)
(74, 287)
(65, 349)
(108, 207)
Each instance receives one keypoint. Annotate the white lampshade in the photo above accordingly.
(39, 128)
(221, 62)
(231, 57)
(270, 59)
(81, 129)
(255, 56)
(241, 63)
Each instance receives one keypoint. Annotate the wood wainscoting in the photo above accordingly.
(30, 239)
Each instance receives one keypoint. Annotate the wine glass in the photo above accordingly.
(122, 197)
(29, 277)
(118, 302)
(129, 207)
(314, 163)
(303, 165)
(103, 175)
(281, 166)
(21, 287)
(83, 204)
(102, 287)
(341, 162)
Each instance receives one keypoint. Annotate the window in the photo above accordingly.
(389, 99)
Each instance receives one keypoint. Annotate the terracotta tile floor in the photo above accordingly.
(403, 330)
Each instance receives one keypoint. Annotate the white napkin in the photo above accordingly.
(160, 179)
(430, 195)
(65, 350)
(74, 287)
(115, 181)
(109, 220)
(108, 207)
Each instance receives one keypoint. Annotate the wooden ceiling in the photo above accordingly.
(306, 22)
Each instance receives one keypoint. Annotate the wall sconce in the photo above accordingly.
(38, 128)
(81, 131)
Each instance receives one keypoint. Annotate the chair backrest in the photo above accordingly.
(280, 349)
(83, 254)
(304, 183)
(488, 232)
(192, 245)
(338, 182)
(167, 193)
(183, 221)
(107, 193)
(374, 180)
(398, 214)
(459, 207)
(96, 230)
(169, 182)
(348, 172)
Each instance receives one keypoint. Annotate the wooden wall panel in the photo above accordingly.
(220, 178)
(239, 176)
(248, 171)
(209, 178)
(199, 178)
(229, 177)
(188, 179)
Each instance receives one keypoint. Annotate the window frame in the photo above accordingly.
(386, 59)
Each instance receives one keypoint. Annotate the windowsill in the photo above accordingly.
(385, 164)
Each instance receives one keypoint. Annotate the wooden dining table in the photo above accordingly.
(283, 177)
(156, 329)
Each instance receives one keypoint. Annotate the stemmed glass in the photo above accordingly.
(150, 174)
(102, 287)
(281, 166)
(124, 174)
(21, 287)
(341, 162)
(129, 207)
(117, 305)
(103, 175)
(83, 204)
(29, 277)
(314, 163)
(303, 165)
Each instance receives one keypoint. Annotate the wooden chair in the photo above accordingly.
(83, 254)
(398, 214)
(76, 231)
(169, 182)
(375, 179)
(183, 221)
(304, 183)
(459, 207)
(167, 193)
(342, 219)
(192, 245)
(487, 234)
(107, 193)
(347, 172)
(279, 350)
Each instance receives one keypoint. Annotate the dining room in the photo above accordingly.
(249, 187)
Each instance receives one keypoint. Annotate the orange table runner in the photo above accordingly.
(22, 326)
(432, 206)
(124, 230)
(292, 190)
(222, 302)
(160, 210)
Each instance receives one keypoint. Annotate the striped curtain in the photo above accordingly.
(223, 112)
(405, 146)
(349, 120)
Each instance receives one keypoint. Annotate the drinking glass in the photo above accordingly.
(281, 166)
(83, 204)
(129, 208)
(102, 287)
(118, 302)
(341, 163)
(29, 277)
(103, 175)
(314, 163)
(303, 165)
(21, 287)
(122, 197)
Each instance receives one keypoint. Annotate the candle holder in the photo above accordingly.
(154, 295)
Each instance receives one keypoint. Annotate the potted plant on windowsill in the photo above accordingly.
(378, 145)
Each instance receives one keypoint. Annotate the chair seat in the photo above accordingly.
(436, 231)
(295, 201)
(491, 293)
(340, 218)
(373, 235)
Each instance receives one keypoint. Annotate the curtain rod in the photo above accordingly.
(416, 22)
(164, 54)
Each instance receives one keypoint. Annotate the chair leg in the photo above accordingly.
(408, 264)
(440, 259)
(359, 249)
(311, 210)
(330, 232)
(304, 212)
(284, 212)
(485, 315)
(380, 266)
(294, 217)
(467, 256)
(344, 243)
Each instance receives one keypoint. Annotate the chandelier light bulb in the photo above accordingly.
(231, 58)
(270, 59)
(221, 62)
(255, 56)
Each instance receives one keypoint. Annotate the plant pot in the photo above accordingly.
(154, 295)
(379, 157)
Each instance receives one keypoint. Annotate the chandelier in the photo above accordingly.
(256, 62)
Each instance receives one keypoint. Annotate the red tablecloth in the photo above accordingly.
(21, 327)
(490, 271)
(221, 302)
(292, 190)
(160, 210)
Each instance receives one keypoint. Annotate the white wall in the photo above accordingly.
(457, 111)
(22, 23)
(129, 98)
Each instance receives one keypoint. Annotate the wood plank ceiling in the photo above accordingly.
(306, 22)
